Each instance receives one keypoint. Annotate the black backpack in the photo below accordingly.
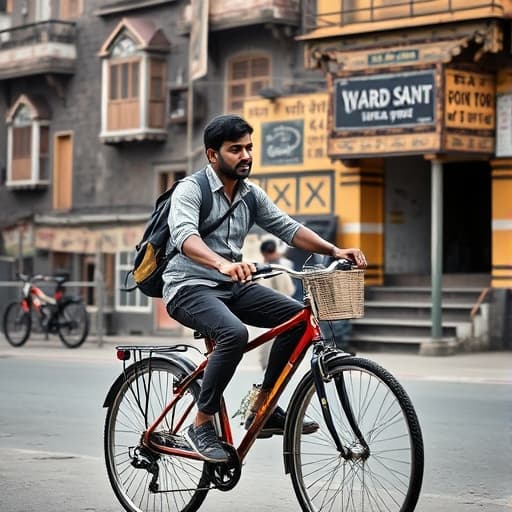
(151, 257)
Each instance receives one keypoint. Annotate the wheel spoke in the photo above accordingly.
(386, 479)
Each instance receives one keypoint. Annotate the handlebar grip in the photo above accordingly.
(261, 269)
(345, 264)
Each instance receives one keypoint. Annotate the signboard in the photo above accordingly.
(395, 100)
(85, 240)
(469, 100)
(504, 125)
(403, 143)
(198, 50)
(283, 142)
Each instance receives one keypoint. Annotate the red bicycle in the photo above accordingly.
(60, 314)
(367, 454)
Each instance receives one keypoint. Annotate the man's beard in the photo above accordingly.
(230, 172)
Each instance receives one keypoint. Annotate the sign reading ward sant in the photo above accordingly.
(398, 100)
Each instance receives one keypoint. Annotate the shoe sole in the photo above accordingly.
(203, 457)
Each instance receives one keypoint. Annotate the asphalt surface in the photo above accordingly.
(493, 367)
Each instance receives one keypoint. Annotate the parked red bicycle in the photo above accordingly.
(65, 315)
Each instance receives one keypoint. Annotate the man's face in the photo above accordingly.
(234, 158)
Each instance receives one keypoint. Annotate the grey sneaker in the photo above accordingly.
(204, 441)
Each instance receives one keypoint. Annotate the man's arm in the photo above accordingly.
(308, 240)
(195, 248)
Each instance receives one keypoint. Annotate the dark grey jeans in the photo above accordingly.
(221, 313)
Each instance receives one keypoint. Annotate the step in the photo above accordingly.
(451, 312)
(421, 294)
(408, 340)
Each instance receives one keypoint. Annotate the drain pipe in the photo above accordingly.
(436, 249)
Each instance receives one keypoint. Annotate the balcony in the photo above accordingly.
(38, 48)
(325, 18)
(228, 14)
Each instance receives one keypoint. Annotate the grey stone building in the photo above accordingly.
(94, 95)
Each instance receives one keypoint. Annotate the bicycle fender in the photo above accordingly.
(182, 362)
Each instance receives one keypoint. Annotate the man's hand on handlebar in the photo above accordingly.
(356, 255)
(239, 271)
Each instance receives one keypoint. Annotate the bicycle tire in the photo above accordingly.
(73, 324)
(390, 478)
(17, 324)
(185, 480)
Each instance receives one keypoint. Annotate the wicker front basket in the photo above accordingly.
(337, 295)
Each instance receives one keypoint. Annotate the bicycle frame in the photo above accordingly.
(311, 335)
(33, 295)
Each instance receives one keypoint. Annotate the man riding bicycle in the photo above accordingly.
(208, 287)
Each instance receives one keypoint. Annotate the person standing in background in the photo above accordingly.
(282, 283)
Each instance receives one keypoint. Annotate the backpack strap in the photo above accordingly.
(206, 194)
(250, 201)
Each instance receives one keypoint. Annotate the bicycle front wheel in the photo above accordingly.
(182, 483)
(17, 324)
(388, 476)
(73, 324)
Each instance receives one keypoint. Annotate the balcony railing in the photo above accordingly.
(347, 12)
(48, 47)
(51, 31)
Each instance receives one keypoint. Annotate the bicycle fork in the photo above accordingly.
(320, 376)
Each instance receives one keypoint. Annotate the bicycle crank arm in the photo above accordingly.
(318, 377)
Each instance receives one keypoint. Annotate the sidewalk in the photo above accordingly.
(475, 367)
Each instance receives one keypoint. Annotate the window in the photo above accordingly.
(123, 102)
(134, 77)
(6, 6)
(28, 135)
(158, 72)
(128, 301)
(71, 9)
(246, 77)
(166, 180)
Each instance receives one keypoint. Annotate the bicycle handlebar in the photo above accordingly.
(265, 270)
(36, 277)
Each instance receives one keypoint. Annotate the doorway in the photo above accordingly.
(467, 217)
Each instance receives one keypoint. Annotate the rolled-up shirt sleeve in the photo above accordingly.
(183, 217)
(272, 219)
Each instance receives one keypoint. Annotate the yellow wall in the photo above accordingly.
(315, 185)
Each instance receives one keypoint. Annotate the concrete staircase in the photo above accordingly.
(400, 317)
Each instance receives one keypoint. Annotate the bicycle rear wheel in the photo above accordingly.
(388, 478)
(73, 324)
(17, 324)
(183, 483)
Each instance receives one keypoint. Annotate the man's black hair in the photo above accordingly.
(225, 127)
(268, 246)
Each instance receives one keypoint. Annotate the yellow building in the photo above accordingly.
(409, 147)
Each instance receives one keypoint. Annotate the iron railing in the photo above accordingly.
(54, 31)
(352, 11)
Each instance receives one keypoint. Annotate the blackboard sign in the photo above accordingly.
(385, 101)
(283, 142)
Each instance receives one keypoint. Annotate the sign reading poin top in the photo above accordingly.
(401, 113)
(385, 101)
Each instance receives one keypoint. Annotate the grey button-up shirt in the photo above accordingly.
(227, 240)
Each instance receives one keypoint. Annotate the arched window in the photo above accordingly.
(247, 75)
(28, 142)
(134, 75)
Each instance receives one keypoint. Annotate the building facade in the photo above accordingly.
(394, 137)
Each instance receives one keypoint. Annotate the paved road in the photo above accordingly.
(51, 454)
